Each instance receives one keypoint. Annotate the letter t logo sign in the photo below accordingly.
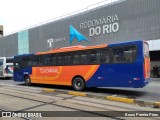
(49, 41)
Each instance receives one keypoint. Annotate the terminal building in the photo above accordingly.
(117, 21)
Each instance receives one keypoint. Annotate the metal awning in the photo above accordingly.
(154, 45)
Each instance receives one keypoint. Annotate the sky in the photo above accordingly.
(17, 15)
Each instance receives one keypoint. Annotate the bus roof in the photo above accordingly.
(23, 55)
(81, 47)
(72, 48)
(126, 43)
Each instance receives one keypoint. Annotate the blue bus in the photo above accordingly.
(124, 64)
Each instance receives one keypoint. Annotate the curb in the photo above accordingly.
(111, 98)
(119, 99)
(48, 90)
(157, 104)
(77, 93)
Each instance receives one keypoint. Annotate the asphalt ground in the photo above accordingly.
(149, 93)
(23, 99)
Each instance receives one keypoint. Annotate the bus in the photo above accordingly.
(6, 67)
(124, 64)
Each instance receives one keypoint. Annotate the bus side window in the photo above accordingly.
(9, 59)
(41, 60)
(129, 53)
(118, 55)
(29, 61)
(124, 54)
(94, 56)
(47, 60)
(67, 59)
(84, 57)
(53, 59)
(60, 59)
(44, 60)
(105, 57)
(76, 58)
(25, 62)
(1, 62)
(35, 60)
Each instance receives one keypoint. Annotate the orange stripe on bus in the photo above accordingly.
(92, 70)
(61, 75)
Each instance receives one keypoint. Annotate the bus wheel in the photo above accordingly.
(27, 80)
(78, 84)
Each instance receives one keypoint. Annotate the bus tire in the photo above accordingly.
(27, 80)
(78, 84)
